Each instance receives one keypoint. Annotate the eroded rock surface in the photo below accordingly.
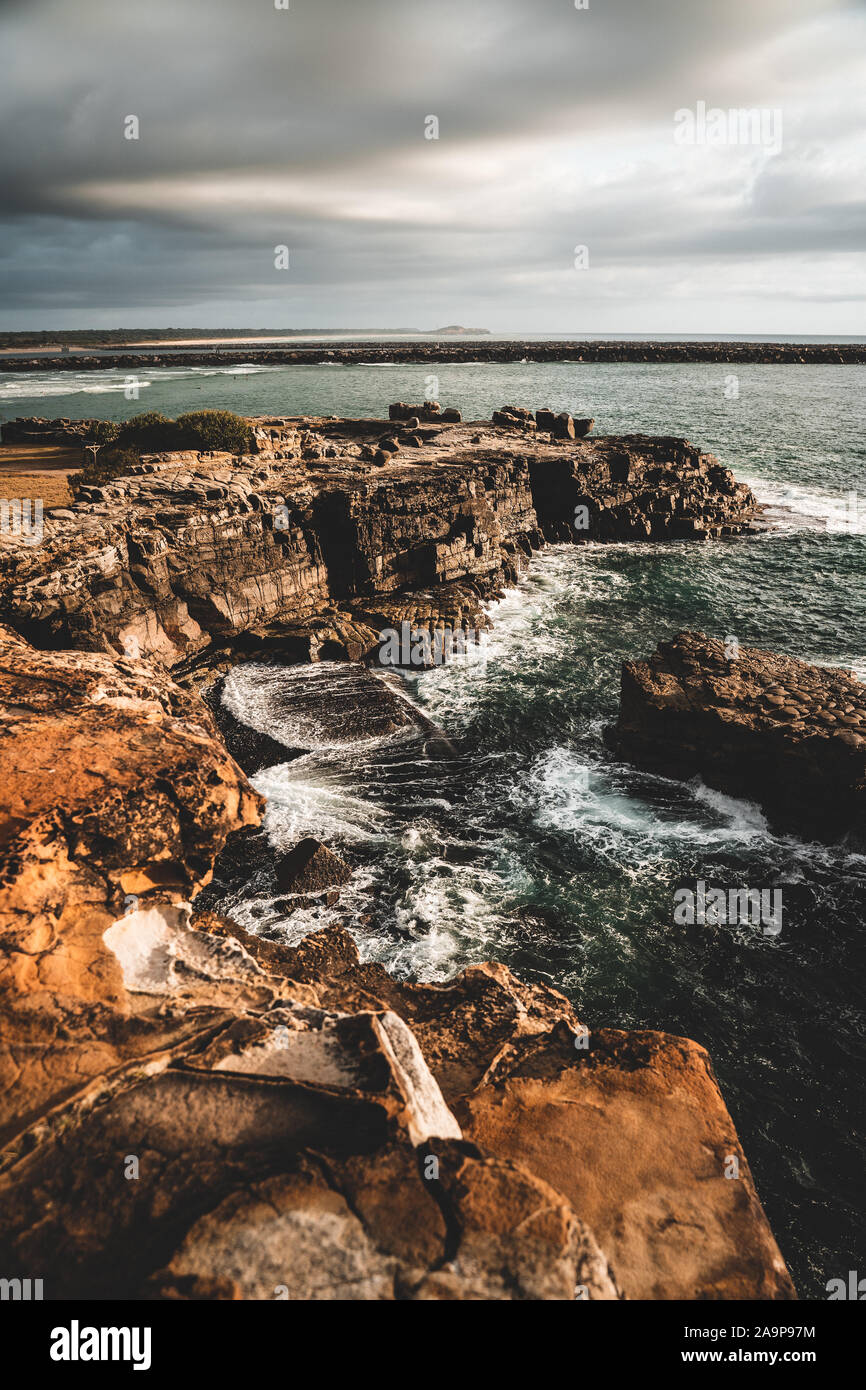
(303, 542)
(189, 1111)
(754, 724)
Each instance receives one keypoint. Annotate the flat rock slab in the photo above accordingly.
(638, 1114)
(754, 724)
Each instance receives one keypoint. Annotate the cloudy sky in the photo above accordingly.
(307, 127)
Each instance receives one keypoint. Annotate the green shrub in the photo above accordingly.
(216, 429)
(150, 433)
(102, 431)
(153, 433)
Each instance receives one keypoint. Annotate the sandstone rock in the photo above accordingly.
(128, 797)
(427, 410)
(631, 1127)
(192, 556)
(640, 1112)
(340, 1230)
(563, 426)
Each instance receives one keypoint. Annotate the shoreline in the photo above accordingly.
(510, 351)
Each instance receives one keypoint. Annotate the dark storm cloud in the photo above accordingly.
(306, 127)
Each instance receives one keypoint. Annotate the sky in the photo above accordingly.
(571, 186)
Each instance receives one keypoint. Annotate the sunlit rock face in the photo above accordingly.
(334, 528)
(190, 1111)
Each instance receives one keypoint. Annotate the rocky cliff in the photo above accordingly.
(334, 528)
(187, 1111)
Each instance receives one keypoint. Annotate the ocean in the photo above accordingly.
(533, 845)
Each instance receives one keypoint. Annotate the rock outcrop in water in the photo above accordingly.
(754, 724)
(331, 532)
(188, 1111)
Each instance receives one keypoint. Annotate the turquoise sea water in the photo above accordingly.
(533, 845)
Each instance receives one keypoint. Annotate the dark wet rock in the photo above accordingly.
(326, 704)
(310, 867)
(433, 354)
(515, 418)
(250, 749)
(636, 487)
(790, 736)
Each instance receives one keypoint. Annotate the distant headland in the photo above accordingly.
(59, 340)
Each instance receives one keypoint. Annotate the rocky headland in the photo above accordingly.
(190, 1111)
(333, 529)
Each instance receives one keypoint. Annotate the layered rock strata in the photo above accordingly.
(188, 1111)
(775, 730)
(324, 532)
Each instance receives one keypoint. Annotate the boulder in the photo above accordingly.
(309, 868)
(427, 410)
